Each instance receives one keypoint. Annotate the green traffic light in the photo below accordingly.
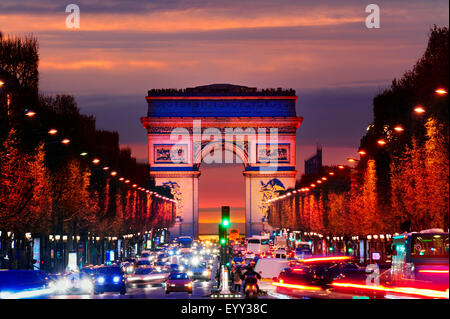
(226, 222)
(350, 250)
(330, 249)
(223, 241)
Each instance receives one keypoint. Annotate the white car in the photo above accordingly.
(146, 276)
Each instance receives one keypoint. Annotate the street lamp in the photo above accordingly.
(351, 160)
(341, 166)
(331, 173)
(1, 83)
(419, 109)
(84, 154)
(52, 131)
(439, 91)
(30, 113)
(65, 141)
(95, 161)
(381, 142)
(399, 128)
(362, 152)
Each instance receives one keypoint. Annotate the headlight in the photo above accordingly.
(116, 279)
(205, 273)
(86, 284)
(190, 273)
(62, 285)
(194, 261)
(101, 280)
(181, 267)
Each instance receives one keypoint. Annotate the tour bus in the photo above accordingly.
(185, 243)
(421, 259)
(257, 244)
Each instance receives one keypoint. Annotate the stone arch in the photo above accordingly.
(223, 107)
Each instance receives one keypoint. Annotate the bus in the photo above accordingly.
(185, 243)
(257, 244)
(421, 259)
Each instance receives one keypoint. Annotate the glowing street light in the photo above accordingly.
(113, 173)
(331, 173)
(439, 91)
(65, 141)
(362, 152)
(324, 178)
(351, 160)
(83, 154)
(127, 181)
(313, 185)
(1, 83)
(95, 161)
(319, 181)
(419, 109)
(121, 179)
(399, 128)
(52, 131)
(341, 166)
(381, 142)
(30, 113)
(105, 168)
(134, 185)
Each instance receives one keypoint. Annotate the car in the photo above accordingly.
(110, 279)
(75, 283)
(143, 263)
(200, 271)
(321, 271)
(128, 267)
(238, 261)
(179, 282)
(18, 284)
(146, 276)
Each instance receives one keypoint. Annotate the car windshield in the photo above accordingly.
(109, 271)
(143, 271)
(181, 276)
(254, 241)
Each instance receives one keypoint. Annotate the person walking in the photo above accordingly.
(237, 280)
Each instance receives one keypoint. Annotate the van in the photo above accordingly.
(270, 267)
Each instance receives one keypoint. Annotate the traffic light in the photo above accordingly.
(225, 216)
(222, 235)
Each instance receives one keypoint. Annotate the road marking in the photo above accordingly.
(278, 296)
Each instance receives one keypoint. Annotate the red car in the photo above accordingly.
(179, 282)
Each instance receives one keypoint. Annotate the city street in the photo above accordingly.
(224, 150)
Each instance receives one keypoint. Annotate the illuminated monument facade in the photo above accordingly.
(194, 125)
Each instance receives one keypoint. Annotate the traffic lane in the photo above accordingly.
(319, 294)
(201, 290)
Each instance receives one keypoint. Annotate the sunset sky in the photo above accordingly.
(322, 49)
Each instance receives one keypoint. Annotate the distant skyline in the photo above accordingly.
(322, 49)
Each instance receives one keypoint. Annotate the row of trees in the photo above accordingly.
(401, 186)
(47, 187)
